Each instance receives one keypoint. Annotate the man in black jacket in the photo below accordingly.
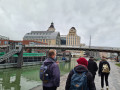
(92, 66)
(81, 67)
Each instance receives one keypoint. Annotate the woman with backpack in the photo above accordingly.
(104, 71)
(80, 78)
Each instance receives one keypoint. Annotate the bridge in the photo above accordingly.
(84, 48)
(64, 47)
(59, 47)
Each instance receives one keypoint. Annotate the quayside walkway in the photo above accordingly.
(114, 79)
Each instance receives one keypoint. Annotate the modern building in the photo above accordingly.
(63, 39)
(72, 39)
(51, 37)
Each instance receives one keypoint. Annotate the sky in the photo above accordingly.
(98, 18)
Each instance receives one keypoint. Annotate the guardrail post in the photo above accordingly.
(69, 56)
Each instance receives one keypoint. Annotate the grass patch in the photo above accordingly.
(118, 64)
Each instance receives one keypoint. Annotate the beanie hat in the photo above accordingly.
(82, 61)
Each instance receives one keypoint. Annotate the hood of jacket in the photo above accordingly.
(80, 69)
(49, 61)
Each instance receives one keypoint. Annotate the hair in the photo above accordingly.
(91, 57)
(51, 52)
(103, 58)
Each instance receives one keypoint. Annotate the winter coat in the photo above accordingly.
(92, 67)
(55, 73)
(101, 66)
(80, 69)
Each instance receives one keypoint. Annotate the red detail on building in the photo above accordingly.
(24, 42)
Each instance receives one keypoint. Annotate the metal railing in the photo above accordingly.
(82, 47)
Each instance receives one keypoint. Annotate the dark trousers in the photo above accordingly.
(49, 88)
(104, 76)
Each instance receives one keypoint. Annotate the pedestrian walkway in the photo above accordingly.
(114, 79)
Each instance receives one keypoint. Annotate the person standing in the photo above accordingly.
(104, 71)
(49, 72)
(80, 78)
(92, 66)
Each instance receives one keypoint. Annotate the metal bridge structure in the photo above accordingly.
(11, 52)
(57, 47)
(84, 48)
(64, 47)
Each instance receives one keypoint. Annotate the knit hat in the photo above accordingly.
(82, 61)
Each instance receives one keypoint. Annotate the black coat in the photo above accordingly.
(80, 69)
(101, 66)
(92, 66)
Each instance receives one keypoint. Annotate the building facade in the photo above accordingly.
(72, 39)
(63, 39)
(51, 37)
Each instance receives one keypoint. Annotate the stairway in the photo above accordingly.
(10, 53)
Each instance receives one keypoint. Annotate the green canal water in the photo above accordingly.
(27, 77)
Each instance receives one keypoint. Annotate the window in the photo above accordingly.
(43, 40)
(31, 43)
(19, 43)
(5, 42)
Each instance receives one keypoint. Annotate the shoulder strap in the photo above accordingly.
(74, 71)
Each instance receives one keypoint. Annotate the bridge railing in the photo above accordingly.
(87, 47)
(65, 46)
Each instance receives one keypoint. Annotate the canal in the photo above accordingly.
(27, 77)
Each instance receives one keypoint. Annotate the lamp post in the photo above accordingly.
(90, 46)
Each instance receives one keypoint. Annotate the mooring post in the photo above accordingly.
(69, 56)
(20, 59)
(47, 53)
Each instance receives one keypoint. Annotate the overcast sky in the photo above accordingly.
(98, 18)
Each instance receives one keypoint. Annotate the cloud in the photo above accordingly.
(98, 18)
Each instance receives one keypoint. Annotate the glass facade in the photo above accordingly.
(63, 40)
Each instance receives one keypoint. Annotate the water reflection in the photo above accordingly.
(27, 77)
(7, 81)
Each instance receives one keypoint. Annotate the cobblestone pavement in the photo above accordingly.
(114, 80)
